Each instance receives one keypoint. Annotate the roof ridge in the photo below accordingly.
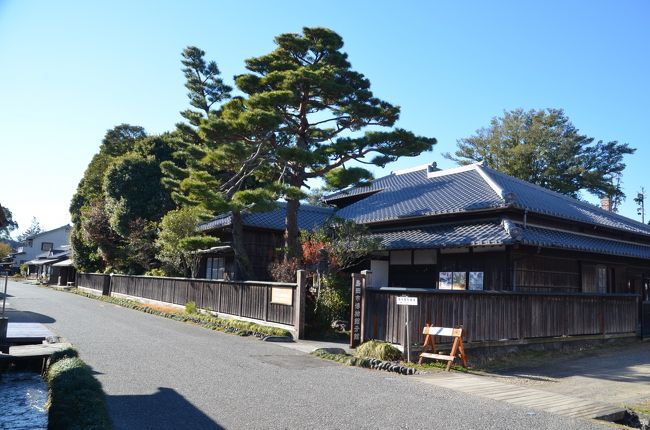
(486, 177)
(47, 231)
(452, 171)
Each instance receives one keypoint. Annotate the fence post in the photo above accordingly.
(266, 303)
(366, 279)
(299, 304)
(241, 299)
(106, 285)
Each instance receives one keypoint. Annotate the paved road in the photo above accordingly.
(161, 374)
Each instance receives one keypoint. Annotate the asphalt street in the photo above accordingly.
(162, 374)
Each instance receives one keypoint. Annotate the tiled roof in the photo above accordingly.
(413, 194)
(309, 218)
(539, 236)
(474, 187)
(445, 236)
(540, 200)
(488, 233)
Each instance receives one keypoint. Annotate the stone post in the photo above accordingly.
(299, 305)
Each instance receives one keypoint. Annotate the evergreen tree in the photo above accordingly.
(545, 148)
(7, 223)
(179, 240)
(120, 200)
(310, 108)
(221, 164)
(31, 231)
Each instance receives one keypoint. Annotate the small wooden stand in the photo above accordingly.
(456, 348)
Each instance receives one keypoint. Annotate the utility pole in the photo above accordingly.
(640, 200)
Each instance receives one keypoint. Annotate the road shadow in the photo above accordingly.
(627, 363)
(28, 317)
(165, 409)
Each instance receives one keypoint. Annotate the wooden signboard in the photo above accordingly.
(282, 296)
(355, 331)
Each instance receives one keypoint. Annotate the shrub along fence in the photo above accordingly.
(263, 302)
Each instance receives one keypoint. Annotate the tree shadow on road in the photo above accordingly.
(621, 363)
(165, 409)
(28, 317)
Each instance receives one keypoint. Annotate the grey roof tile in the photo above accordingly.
(475, 187)
(539, 199)
(539, 236)
(445, 236)
(413, 194)
(309, 218)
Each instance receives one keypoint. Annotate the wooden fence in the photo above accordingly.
(495, 316)
(248, 299)
(94, 281)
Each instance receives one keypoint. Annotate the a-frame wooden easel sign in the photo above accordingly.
(457, 347)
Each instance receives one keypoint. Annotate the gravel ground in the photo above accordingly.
(161, 374)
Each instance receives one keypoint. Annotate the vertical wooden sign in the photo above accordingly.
(355, 329)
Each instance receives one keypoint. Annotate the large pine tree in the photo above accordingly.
(315, 108)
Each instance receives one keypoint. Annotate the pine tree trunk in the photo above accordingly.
(243, 267)
(292, 232)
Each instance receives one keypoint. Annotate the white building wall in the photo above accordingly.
(58, 237)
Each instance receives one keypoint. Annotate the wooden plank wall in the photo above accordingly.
(493, 316)
(546, 274)
(249, 299)
(94, 281)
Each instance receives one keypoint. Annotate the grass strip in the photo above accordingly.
(76, 399)
(238, 327)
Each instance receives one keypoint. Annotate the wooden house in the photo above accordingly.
(473, 229)
(506, 258)
(263, 239)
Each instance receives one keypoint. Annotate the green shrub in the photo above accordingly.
(64, 353)
(376, 349)
(76, 397)
(156, 272)
(333, 304)
(190, 308)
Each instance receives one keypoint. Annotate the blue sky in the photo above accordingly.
(71, 70)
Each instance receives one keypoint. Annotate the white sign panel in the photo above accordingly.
(407, 301)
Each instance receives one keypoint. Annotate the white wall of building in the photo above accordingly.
(41, 242)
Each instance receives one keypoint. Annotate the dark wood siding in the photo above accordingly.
(263, 247)
(244, 299)
(493, 316)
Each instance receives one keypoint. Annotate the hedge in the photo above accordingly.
(76, 399)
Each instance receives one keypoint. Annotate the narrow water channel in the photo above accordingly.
(22, 401)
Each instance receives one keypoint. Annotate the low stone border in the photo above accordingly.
(339, 355)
